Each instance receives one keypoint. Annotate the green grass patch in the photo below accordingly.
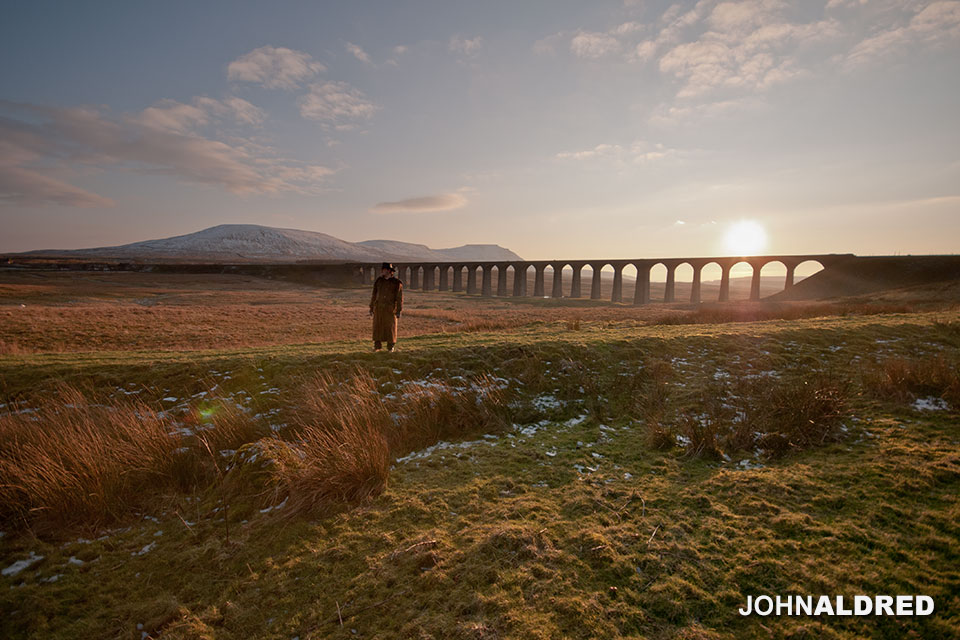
(585, 516)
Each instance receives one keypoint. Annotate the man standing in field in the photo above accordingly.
(386, 303)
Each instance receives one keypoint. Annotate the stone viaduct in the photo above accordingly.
(429, 276)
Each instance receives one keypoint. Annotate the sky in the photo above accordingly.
(559, 129)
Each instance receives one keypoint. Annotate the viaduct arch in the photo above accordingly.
(493, 278)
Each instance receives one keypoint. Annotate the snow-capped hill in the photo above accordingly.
(256, 243)
(249, 242)
(478, 252)
(409, 250)
(398, 250)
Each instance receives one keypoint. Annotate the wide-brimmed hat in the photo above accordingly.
(387, 265)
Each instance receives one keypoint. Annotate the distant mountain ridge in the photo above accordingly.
(423, 252)
(257, 243)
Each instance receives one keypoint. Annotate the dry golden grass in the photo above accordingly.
(721, 313)
(73, 462)
(759, 414)
(12, 348)
(523, 535)
(340, 452)
(51, 312)
(347, 435)
(427, 414)
(905, 379)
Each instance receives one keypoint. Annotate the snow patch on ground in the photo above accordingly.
(442, 446)
(20, 565)
(280, 505)
(930, 403)
(547, 402)
(572, 422)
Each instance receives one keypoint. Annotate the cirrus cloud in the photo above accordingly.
(274, 67)
(41, 144)
(336, 102)
(934, 25)
(594, 45)
(639, 152)
(357, 52)
(465, 46)
(181, 117)
(422, 204)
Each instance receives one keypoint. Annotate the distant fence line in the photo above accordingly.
(429, 276)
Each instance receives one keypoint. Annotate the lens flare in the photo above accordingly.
(745, 238)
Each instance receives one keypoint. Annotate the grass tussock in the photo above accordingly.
(572, 527)
(224, 426)
(347, 434)
(427, 413)
(339, 452)
(759, 415)
(325, 469)
(906, 379)
(799, 414)
(75, 462)
(649, 396)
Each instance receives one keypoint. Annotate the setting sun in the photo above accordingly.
(744, 238)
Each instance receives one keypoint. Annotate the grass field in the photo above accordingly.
(554, 469)
(68, 311)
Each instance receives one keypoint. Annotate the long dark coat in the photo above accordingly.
(386, 303)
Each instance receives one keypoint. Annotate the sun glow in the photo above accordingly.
(745, 238)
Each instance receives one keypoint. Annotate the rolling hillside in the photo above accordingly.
(256, 243)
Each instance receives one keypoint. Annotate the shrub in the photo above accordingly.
(802, 413)
(773, 415)
(647, 395)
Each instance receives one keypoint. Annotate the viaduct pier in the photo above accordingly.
(497, 278)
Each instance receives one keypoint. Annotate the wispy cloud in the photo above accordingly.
(357, 52)
(41, 143)
(748, 46)
(422, 204)
(242, 110)
(274, 67)
(638, 152)
(934, 25)
(21, 184)
(336, 104)
(398, 51)
(594, 45)
(549, 44)
(745, 47)
(465, 46)
(672, 114)
(181, 117)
